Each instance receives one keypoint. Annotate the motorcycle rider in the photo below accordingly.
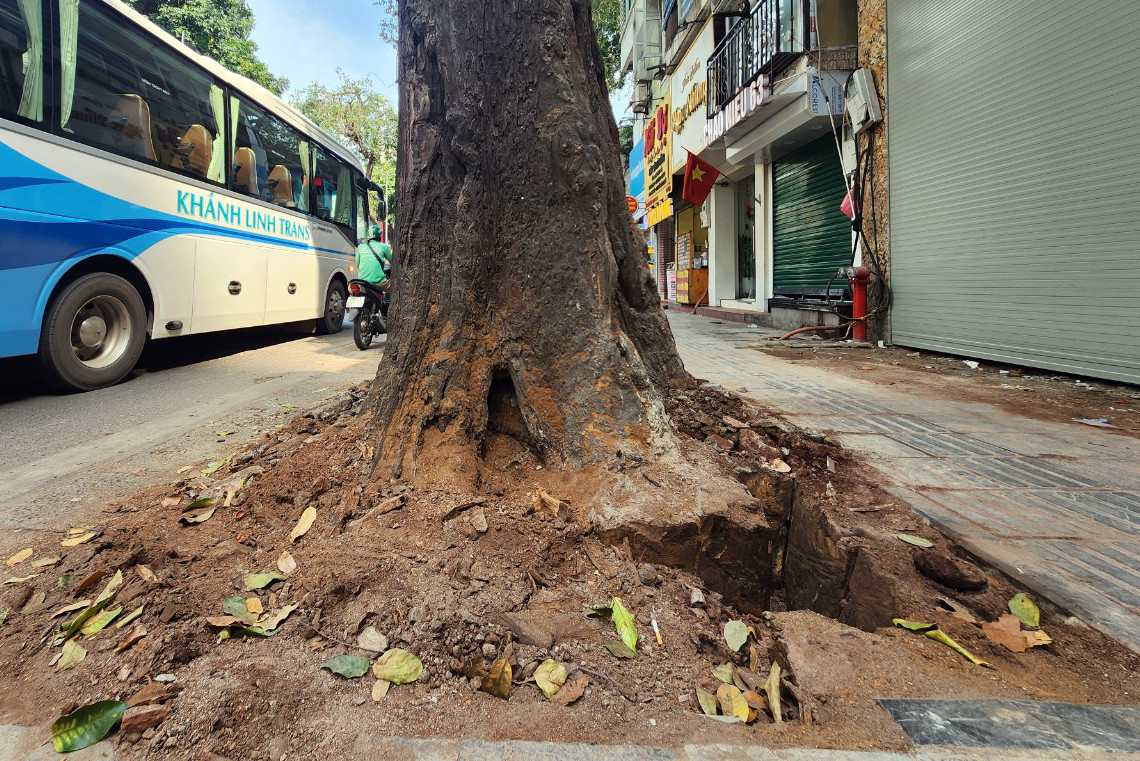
(373, 259)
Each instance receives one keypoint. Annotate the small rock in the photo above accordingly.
(696, 598)
(166, 678)
(949, 570)
(647, 574)
(278, 748)
(151, 694)
(489, 650)
(124, 673)
(138, 720)
(479, 520)
(372, 639)
(719, 443)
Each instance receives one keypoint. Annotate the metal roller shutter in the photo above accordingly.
(811, 237)
(1015, 181)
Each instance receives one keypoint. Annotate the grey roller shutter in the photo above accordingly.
(1015, 181)
(811, 238)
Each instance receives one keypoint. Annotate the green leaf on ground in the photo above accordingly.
(66, 581)
(619, 650)
(707, 701)
(73, 653)
(235, 606)
(398, 667)
(198, 504)
(1025, 609)
(100, 622)
(262, 580)
(723, 673)
(86, 726)
(130, 616)
(735, 634)
(933, 632)
(348, 666)
(623, 622)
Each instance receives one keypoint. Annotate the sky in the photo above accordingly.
(306, 41)
(339, 33)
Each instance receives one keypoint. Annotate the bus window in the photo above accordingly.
(270, 159)
(21, 60)
(332, 181)
(122, 92)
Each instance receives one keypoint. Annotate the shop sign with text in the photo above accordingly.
(658, 158)
(689, 91)
(738, 109)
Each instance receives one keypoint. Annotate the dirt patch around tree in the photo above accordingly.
(462, 580)
(1024, 391)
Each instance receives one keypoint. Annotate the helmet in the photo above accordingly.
(374, 231)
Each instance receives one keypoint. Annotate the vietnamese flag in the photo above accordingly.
(700, 176)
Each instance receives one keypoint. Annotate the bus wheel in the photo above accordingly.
(93, 333)
(333, 319)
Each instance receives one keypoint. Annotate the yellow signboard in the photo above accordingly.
(661, 211)
(658, 157)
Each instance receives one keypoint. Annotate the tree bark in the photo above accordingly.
(522, 303)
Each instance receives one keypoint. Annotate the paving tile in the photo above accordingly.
(974, 724)
(405, 749)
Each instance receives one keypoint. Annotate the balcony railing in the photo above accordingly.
(766, 41)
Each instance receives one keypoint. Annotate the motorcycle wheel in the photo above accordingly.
(362, 328)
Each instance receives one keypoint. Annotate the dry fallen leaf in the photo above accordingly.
(497, 682)
(171, 501)
(286, 563)
(75, 541)
(731, 702)
(72, 654)
(278, 618)
(779, 466)
(380, 689)
(253, 605)
(47, 562)
(20, 557)
(133, 637)
(571, 691)
(304, 524)
(1007, 631)
(146, 574)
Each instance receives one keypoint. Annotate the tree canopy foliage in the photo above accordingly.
(218, 28)
(607, 30)
(356, 111)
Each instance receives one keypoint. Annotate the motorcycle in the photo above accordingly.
(372, 316)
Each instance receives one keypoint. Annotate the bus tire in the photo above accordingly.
(333, 318)
(93, 333)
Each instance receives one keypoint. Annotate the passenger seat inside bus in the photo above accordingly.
(245, 172)
(281, 181)
(195, 151)
(131, 128)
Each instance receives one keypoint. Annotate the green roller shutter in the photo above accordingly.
(811, 237)
(1014, 153)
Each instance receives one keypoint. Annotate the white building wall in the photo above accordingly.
(722, 244)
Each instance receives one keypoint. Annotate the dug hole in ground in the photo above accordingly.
(252, 576)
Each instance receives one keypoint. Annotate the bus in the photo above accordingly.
(148, 192)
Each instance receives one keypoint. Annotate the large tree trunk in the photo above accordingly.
(522, 304)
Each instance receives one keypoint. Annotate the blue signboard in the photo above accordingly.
(637, 171)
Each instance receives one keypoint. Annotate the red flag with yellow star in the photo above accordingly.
(700, 176)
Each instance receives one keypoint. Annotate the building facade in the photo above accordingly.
(996, 199)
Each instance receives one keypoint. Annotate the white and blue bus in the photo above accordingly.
(145, 190)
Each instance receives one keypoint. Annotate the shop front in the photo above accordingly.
(658, 153)
(779, 124)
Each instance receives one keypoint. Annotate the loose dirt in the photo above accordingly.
(463, 579)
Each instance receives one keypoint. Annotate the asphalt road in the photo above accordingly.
(66, 458)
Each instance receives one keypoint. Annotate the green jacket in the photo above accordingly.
(368, 266)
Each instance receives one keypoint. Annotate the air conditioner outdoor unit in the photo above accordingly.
(641, 97)
(863, 101)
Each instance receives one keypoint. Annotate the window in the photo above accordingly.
(332, 181)
(361, 216)
(270, 160)
(123, 92)
(21, 60)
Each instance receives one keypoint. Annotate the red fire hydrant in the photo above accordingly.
(860, 279)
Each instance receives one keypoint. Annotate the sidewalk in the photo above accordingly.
(1055, 506)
